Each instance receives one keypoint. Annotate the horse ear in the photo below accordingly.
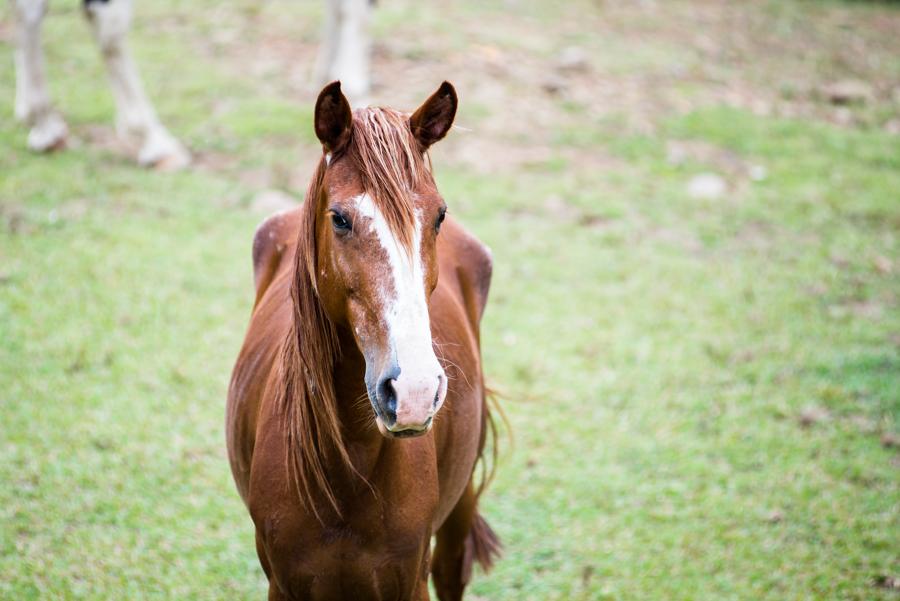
(433, 119)
(333, 118)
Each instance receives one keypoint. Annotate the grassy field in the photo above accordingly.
(704, 390)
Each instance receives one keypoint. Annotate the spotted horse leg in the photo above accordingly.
(136, 118)
(346, 48)
(47, 129)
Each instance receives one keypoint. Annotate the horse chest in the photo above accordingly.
(379, 550)
(365, 557)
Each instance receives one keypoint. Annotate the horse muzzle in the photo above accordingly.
(405, 405)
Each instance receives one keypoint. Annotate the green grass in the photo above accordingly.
(657, 353)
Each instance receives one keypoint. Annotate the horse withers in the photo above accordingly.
(357, 407)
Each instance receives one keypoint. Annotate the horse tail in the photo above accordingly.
(487, 460)
(482, 545)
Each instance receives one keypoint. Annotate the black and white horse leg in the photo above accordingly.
(47, 129)
(136, 118)
(345, 50)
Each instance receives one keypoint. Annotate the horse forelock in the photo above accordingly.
(392, 166)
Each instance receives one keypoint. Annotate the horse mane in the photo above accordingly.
(391, 165)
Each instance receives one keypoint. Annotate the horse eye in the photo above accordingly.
(340, 223)
(440, 220)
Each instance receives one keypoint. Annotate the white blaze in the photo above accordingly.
(406, 316)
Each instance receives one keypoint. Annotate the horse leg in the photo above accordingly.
(48, 130)
(135, 117)
(462, 539)
(275, 593)
(346, 47)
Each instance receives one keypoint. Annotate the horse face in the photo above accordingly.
(380, 291)
(377, 285)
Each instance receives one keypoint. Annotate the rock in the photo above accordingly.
(775, 516)
(553, 84)
(886, 581)
(16, 220)
(267, 202)
(889, 440)
(586, 573)
(882, 264)
(573, 59)
(812, 415)
(758, 173)
(706, 186)
(594, 221)
(848, 91)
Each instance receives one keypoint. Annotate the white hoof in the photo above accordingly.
(162, 151)
(48, 133)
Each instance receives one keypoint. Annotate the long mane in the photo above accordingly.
(391, 165)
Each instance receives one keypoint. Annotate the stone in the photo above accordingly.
(706, 186)
(812, 415)
(882, 264)
(758, 173)
(573, 59)
(553, 84)
(848, 91)
(775, 516)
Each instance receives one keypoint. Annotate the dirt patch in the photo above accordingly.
(15, 219)
(529, 72)
(103, 137)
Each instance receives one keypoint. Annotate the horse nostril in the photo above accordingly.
(387, 398)
(437, 393)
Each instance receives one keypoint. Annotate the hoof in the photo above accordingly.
(48, 134)
(162, 152)
(174, 162)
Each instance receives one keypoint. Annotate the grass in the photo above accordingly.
(698, 389)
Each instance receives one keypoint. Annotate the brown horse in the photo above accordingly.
(346, 494)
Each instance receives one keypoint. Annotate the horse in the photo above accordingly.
(136, 119)
(357, 411)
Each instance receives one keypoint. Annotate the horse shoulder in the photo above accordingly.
(273, 236)
(272, 244)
